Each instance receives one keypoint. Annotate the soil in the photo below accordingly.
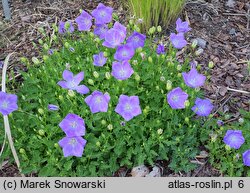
(222, 26)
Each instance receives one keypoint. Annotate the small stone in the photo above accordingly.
(156, 172)
(230, 3)
(232, 31)
(201, 42)
(140, 171)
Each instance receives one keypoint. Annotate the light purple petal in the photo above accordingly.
(88, 99)
(246, 157)
(79, 77)
(67, 75)
(82, 89)
(63, 84)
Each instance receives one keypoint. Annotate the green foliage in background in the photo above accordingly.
(155, 12)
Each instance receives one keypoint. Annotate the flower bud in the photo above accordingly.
(52, 107)
(41, 111)
(213, 137)
(72, 50)
(35, 60)
(122, 123)
(145, 111)
(41, 132)
(91, 34)
(90, 81)
(40, 41)
(227, 147)
(197, 89)
(152, 30)
(136, 28)
(45, 46)
(22, 151)
(54, 37)
(179, 67)
(227, 116)
(41, 30)
(194, 43)
(187, 103)
(66, 44)
(96, 74)
(60, 97)
(110, 127)
(162, 78)
(169, 85)
(98, 144)
(71, 93)
(137, 77)
(157, 87)
(139, 50)
(45, 57)
(103, 122)
(241, 120)
(220, 123)
(142, 55)
(67, 25)
(134, 62)
(150, 60)
(23, 59)
(159, 29)
(131, 22)
(107, 75)
(56, 145)
(67, 65)
(179, 75)
(105, 54)
(199, 52)
(159, 131)
(211, 64)
(140, 20)
(98, 40)
(186, 119)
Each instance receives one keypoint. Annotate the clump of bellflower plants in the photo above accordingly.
(229, 146)
(99, 101)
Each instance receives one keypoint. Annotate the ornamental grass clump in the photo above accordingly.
(154, 13)
(99, 102)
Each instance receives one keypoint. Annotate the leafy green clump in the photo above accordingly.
(159, 133)
(228, 160)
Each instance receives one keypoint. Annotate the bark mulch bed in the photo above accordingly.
(221, 26)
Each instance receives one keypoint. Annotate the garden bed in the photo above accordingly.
(228, 71)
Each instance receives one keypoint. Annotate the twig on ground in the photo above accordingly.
(230, 120)
(223, 104)
(51, 8)
(236, 90)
